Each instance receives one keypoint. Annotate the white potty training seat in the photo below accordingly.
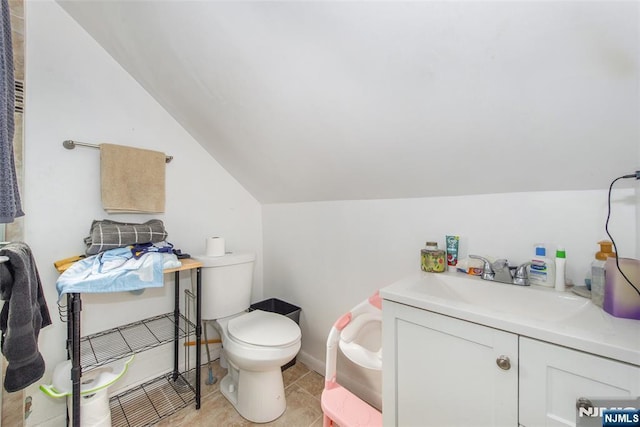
(94, 398)
(256, 344)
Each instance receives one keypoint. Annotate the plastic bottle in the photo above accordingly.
(620, 298)
(542, 269)
(561, 261)
(433, 260)
(598, 271)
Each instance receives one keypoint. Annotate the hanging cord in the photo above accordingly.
(606, 226)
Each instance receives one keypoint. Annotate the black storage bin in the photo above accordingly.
(275, 305)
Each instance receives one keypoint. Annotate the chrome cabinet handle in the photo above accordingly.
(583, 402)
(503, 362)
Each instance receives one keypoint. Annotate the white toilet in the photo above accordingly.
(256, 344)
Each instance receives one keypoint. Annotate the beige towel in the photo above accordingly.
(132, 179)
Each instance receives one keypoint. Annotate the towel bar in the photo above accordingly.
(70, 144)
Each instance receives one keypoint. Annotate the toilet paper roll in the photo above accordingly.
(215, 246)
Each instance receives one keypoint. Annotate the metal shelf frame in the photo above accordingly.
(104, 347)
(123, 341)
(148, 403)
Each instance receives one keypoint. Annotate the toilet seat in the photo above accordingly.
(263, 329)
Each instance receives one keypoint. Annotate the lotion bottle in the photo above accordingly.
(561, 261)
(541, 271)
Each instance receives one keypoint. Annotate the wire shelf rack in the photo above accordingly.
(117, 343)
(152, 401)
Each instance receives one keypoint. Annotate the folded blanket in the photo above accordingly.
(24, 313)
(116, 270)
(107, 234)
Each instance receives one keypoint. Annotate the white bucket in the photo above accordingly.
(94, 409)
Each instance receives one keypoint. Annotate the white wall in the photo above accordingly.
(316, 94)
(327, 256)
(75, 90)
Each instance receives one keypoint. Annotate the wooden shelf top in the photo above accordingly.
(187, 264)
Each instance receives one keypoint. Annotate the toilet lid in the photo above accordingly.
(264, 329)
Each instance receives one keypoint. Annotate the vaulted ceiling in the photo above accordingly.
(332, 100)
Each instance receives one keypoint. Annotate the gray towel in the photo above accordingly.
(10, 205)
(24, 313)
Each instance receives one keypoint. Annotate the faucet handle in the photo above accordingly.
(487, 270)
(522, 276)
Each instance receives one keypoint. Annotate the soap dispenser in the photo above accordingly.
(598, 271)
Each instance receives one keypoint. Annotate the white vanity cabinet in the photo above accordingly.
(442, 371)
(552, 377)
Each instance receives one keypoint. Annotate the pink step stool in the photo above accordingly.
(339, 405)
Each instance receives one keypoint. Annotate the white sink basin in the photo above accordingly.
(536, 303)
(540, 313)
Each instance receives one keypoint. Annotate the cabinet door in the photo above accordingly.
(553, 377)
(442, 371)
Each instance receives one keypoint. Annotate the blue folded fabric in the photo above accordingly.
(116, 270)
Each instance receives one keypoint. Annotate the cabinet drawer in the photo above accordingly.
(553, 377)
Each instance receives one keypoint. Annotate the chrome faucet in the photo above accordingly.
(521, 276)
(499, 271)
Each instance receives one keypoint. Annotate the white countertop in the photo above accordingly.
(561, 318)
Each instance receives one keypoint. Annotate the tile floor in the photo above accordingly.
(303, 388)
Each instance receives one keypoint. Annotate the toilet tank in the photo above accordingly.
(226, 284)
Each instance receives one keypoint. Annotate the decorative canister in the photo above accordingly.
(433, 260)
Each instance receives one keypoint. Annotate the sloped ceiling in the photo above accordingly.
(330, 100)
